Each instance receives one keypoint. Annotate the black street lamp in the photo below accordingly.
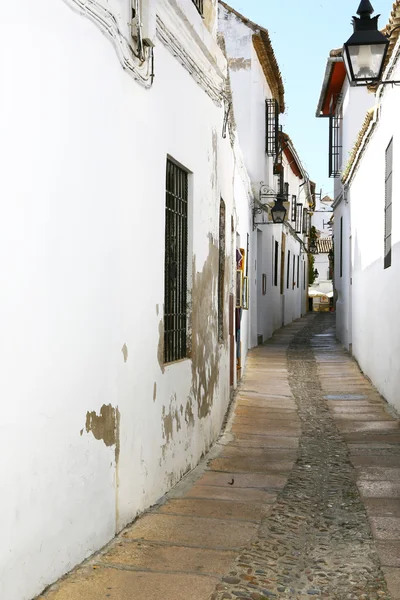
(278, 211)
(365, 51)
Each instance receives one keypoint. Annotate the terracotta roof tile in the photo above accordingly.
(324, 245)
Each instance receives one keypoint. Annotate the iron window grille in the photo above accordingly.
(388, 205)
(199, 5)
(299, 214)
(276, 264)
(176, 262)
(221, 270)
(341, 248)
(294, 209)
(335, 141)
(288, 270)
(272, 127)
(298, 271)
(294, 271)
(305, 221)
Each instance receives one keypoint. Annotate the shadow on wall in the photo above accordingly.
(375, 323)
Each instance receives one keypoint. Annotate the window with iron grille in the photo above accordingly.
(176, 262)
(304, 275)
(294, 270)
(221, 272)
(272, 127)
(335, 143)
(305, 220)
(294, 209)
(299, 214)
(298, 271)
(341, 248)
(276, 255)
(388, 204)
(288, 270)
(199, 5)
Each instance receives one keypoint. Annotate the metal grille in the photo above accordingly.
(388, 205)
(294, 201)
(341, 248)
(288, 270)
(199, 5)
(276, 254)
(305, 220)
(272, 127)
(176, 259)
(299, 213)
(335, 144)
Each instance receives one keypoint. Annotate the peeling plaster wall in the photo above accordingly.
(82, 240)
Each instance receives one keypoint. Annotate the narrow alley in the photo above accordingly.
(299, 497)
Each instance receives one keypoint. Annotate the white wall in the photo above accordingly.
(376, 326)
(82, 246)
(250, 91)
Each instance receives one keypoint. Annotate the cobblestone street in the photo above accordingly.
(299, 499)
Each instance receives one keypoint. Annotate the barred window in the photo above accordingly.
(272, 127)
(341, 248)
(294, 271)
(221, 271)
(276, 264)
(176, 262)
(288, 270)
(305, 220)
(335, 142)
(298, 271)
(299, 214)
(294, 208)
(199, 5)
(388, 205)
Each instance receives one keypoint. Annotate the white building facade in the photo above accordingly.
(367, 234)
(280, 268)
(119, 238)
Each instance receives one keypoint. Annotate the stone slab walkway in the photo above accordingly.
(300, 497)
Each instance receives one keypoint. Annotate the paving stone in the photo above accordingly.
(231, 493)
(128, 585)
(386, 528)
(393, 579)
(192, 531)
(220, 509)
(389, 553)
(242, 480)
(383, 507)
(156, 557)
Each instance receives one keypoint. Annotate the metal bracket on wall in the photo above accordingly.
(266, 194)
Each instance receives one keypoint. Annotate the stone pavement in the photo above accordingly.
(300, 497)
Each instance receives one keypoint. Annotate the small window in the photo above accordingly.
(335, 141)
(294, 208)
(294, 270)
(176, 263)
(199, 5)
(341, 247)
(299, 214)
(304, 275)
(298, 271)
(272, 127)
(388, 205)
(305, 220)
(221, 271)
(276, 255)
(288, 270)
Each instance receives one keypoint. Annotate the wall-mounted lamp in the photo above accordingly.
(278, 211)
(365, 51)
